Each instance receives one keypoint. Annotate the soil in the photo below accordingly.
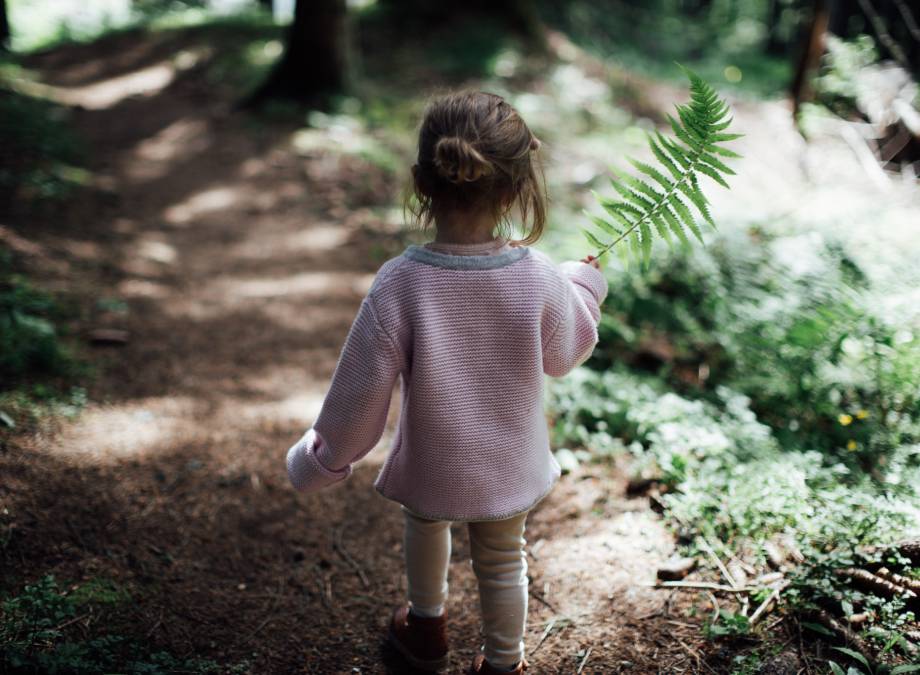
(240, 265)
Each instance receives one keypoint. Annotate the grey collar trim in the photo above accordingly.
(465, 262)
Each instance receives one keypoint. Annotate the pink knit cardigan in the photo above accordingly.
(470, 338)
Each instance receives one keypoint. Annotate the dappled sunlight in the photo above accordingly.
(212, 255)
(134, 429)
(107, 93)
(143, 288)
(608, 555)
(156, 249)
(301, 407)
(203, 203)
(313, 238)
(326, 284)
(150, 256)
(153, 157)
(82, 250)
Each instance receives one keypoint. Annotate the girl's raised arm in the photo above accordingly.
(575, 335)
(354, 411)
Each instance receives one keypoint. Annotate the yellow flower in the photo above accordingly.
(862, 414)
(851, 444)
(845, 419)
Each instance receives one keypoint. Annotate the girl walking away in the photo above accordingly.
(469, 324)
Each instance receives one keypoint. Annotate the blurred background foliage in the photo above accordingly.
(766, 386)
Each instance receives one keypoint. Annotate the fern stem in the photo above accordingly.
(655, 210)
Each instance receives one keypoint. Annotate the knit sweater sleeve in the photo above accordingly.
(354, 412)
(573, 338)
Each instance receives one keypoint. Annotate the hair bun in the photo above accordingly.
(458, 161)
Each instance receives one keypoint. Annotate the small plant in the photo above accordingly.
(728, 624)
(868, 668)
(661, 201)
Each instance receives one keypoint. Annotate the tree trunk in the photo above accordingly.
(810, 57)
(267, 5)
(4, 28)
(313, 66)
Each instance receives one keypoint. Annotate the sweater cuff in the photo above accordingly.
(306, 472)
(587, 276)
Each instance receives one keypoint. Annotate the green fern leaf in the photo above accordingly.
(652, 173)
(646, 232)
(602, 224)
(686, 218)
(662, 156)
(662, 228)
(696, 197)
(594, 241)
(716, 164)
(647, 191)
(652, 203)
(638, 200)
(712, 173)
(675, 226)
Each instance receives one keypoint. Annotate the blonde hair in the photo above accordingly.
(475, 152)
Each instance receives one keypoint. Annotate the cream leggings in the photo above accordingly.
(500, 565)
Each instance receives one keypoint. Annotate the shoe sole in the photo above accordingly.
(421, 664)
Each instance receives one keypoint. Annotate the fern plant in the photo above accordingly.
(662, 200)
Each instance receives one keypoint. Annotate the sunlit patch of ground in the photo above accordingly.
(133, 429)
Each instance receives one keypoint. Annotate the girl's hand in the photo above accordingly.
(591, 260)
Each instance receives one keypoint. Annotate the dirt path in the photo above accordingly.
(241, 265)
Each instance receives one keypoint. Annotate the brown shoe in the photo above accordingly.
(421, 640)
(481, 667)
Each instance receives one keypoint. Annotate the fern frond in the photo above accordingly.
(652, 204)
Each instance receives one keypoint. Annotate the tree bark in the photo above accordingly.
(811, 52)
(314, 64)
(4, 28)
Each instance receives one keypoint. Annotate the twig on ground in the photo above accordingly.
(764, 606)
(722, 568)
(715, 606)
(700, 585)
(544, 601)
(71, 622)
(842, 632)
(155, 625)
(324, 588)
(878, 584)
(545, 634)
(340, 549)
(583, 661)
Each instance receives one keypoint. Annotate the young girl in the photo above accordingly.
(469, 323)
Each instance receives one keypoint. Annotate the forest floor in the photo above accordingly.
(238, 266)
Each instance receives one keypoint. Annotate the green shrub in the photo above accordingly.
(790, 322)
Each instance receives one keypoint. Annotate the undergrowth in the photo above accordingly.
(38, 369)
(761, 384)
(51, 628)
(40, 158)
